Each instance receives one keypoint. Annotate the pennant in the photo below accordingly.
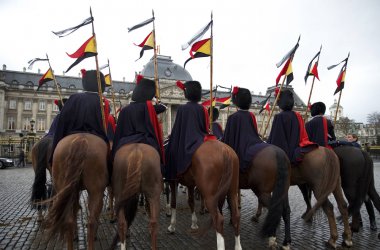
(287, 70)
(290, 54)
(88, 49)
(207, 103)
(265, 103)
(342, 74)
(107, 78)
(47, 77)
(201, 49)
(104, 66)
(197, 36)
(312, 70)
(147, 44)
(31, 62)
(226, 101)
(68, 31)
(142, 24)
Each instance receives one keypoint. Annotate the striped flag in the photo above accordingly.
(312, 70)
(290, 54)
(197, 36)
(142, 24)
(107, 78)
(225, 102)
(68, 31)
(287, 70)
(147, 44)
(342, 74)
(265, 104)
(200, 49)
(31, 62)
(88, 49)
(47, 77)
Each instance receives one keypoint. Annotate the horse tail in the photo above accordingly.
(372, 193)
(132, 185)
(330, 175)
(66, 201)
(362, 184)
(279, 195)
(39, 190)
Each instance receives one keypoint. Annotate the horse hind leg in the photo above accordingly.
(371, 214)
(329, 211)
(235, 217)
(122, 228)
(217, 221)
(154, 203)
(173, 204)
(95, 204)
(190, 200)
(342, 206)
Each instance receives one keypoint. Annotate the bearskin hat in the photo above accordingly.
(90, 82)
(286, 100)
(193, 91)
(144, 91)
(215, 113)
(242, 98)
(317, 108)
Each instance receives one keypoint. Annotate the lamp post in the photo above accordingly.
(31, 136)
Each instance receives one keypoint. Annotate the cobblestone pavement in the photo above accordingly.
(19, 228)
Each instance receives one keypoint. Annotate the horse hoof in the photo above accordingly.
(378, 236)
(285, 247)
(347, 243)
(171, 229)
(272, 244)
(373, 227)
(194, 227)
(330, 245)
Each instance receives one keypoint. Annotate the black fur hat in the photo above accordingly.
(286, 100)
(317, 108)
(144, 91)
(242, 98)
(193, 91)
(215, 113)
(89, 80)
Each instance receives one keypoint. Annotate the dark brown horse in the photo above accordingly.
(79, 163)
(268, 176)
(216, 176)
(321, 172)
(41, 152)
(136, 169)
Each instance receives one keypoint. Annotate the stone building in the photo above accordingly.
(26, 114)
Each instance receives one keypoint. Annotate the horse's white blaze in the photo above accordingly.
(173, 221)
(272, 242)
(122, 246)
(194, 221)
(219, 241)
(237, 243)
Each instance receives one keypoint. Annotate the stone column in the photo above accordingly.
(49, 109)
(169, 112)
(20, 108)
(2, 109)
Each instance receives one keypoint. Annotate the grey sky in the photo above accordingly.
(250, 37)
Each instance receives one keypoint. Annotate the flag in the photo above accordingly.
(201, 49)
(142, 24)
(147, 44)
(265, 104)
(104, 66)
(107, 78)
(46, 78)
(312, 70)
(88, 49)
(68, 31)
(31, 62)
(197, 36)
(290, 54)
(207, 102)
(287, 70)
(342, 74)
(225, 101)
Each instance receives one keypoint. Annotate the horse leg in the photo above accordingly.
(173, 188)
(342, 206)
(217, 220)
(167, 193)
(110, 204)
(154, 203)
(371, 214)
(286, 219)
(306, 193)
(329, 211)
(190, 201)
(259, 211)
(95, 204)
(123, 227)
(235, 216)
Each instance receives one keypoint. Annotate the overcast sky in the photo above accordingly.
(250, 37)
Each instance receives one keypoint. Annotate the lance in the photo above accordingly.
(55, 80)
(155, 61)
(112, 90)
(340, 94)
(98, 77)
(211, 72)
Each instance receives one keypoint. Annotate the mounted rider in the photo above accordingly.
(190, 130)
(241, 128)
(217, 130)
(138, 121)
(288, 131)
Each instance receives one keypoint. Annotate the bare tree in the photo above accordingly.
(374, 119)
(344, 126)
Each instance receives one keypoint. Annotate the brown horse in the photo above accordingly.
(41, 152)
(320, 169)
(79, 163)
(136, 169)
(268, 176)
(215, 175)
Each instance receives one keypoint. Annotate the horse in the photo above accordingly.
(136, 169)
(268, 176)
(215, 175)
(320, 170)
(41, 152)
(79, 163)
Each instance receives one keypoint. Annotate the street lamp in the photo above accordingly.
(31, 136)
(32, 122)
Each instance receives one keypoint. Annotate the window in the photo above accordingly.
(28, 105)
(42, 105)
(11, 123)
(12, 104)
(26, 123)
(41, 124)
(55, 107)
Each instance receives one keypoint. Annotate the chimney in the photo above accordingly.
(123, 78)
(4, 67)
(39, 71)
(24, 69)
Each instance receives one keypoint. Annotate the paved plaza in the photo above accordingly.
(19, 228)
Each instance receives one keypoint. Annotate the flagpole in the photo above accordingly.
(55, 80)
(311, 89)
(155, 61)
(337, 107)
(211, 73)
(112, 90)
(98, 77)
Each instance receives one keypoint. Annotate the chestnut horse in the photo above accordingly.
(79, 163)
(41, 152)
(136, 169)
(268, 176)
(214, 170)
